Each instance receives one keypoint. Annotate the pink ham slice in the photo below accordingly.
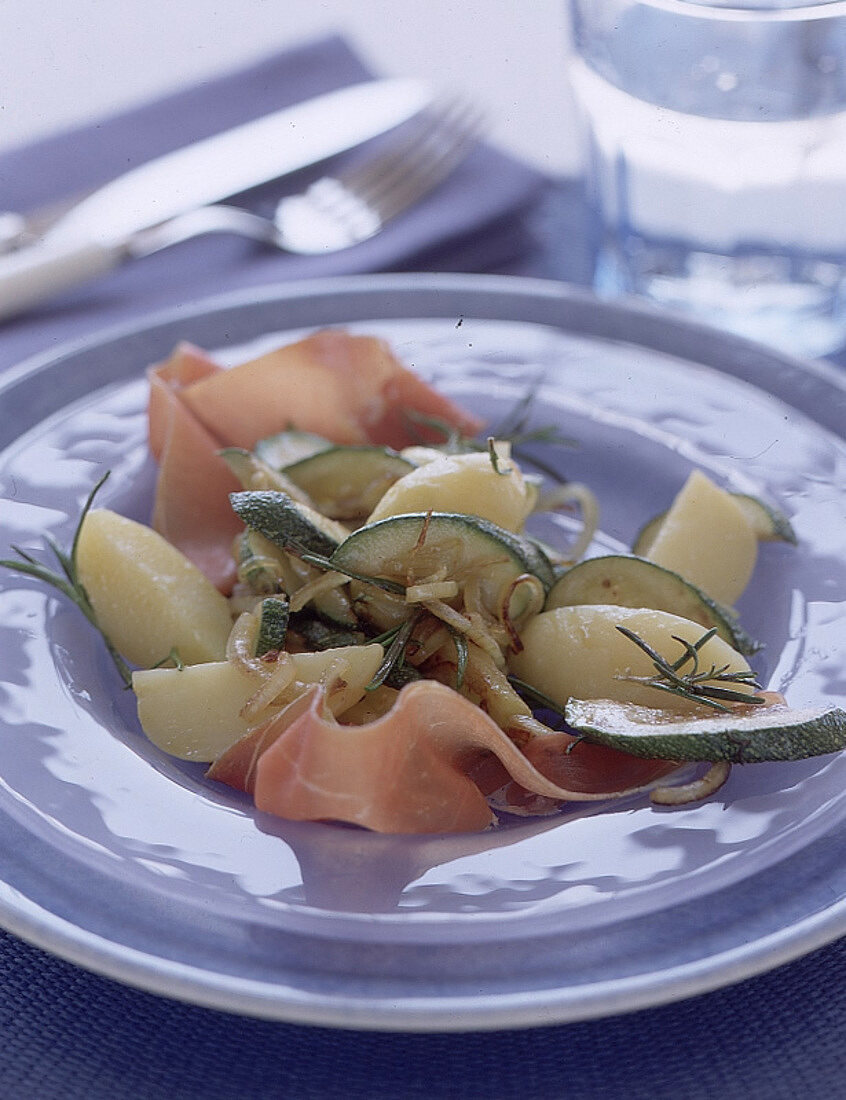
(191, 507)
(187, 364)
(580, 766)
(410, 770)
(350, 389)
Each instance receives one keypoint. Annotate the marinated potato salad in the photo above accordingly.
(338, 607)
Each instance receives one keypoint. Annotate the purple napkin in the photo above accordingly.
(473, 222)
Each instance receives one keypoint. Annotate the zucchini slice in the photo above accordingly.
(769, 523)
(254, 474)
(293, 526)
(273, 625)
(646, 535)
(286, 447)
(347, 482)
(627, 581)
(747, 735)
(413, 546)
(267, 565)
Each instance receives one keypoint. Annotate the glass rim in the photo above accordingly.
(737, 12)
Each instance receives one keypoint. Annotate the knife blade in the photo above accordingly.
(90, 239)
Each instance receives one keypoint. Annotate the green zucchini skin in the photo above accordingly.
(373, 547)
(265, 574)
(273, 625)
(770, 524)
(256, 475)
(759, 734)
(628, 581)
(346, 482)
(293, 526)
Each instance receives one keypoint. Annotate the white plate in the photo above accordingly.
(128, 862)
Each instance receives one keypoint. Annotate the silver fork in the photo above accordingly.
(334, 213)
(337, 212)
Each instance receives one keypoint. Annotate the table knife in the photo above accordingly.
(92, 237)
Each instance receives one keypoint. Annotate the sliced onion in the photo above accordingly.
(241, 643)
(280, 675)
(528, 724)
(435, 590)
(322, 583)
(537, 597)
(472, 628)
(700, 788)
(427, 646)
(487, 681)
(574, 492)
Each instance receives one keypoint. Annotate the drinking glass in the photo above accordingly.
(716, 159)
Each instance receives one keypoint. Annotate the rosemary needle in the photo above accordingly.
(67, 582)
(707, 687)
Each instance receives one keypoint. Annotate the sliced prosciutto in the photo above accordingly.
(349, 389)
(191, 507)
(579, 765)
(186, 365)
(411, 770)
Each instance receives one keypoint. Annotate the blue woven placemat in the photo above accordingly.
(68, 1035)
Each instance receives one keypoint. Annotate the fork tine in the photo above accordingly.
(431, 163)
(338, 211)
(441, 118)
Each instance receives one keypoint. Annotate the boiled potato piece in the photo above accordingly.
(466, 483)
(195, 713)
(419, 455)
(374, 705)
(147, 596)
(707, 538)
(359, 666)
(577, 652)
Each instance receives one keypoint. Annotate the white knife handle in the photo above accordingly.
(41, 270)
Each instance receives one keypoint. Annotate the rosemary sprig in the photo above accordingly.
(694, 684)
(386, 637)
(513, 426)
(321, 562)
(67, 582)
(512, 429)
(396, 640)
(534, 697)
(495, 459)
(395, 653)
(173, 659)
(453, 442)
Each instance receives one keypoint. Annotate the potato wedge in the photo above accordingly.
(466, 483)
(195, 713)
(147, 596)
(707, 538)
(577, 652)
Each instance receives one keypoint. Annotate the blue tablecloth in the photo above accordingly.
(65, 1033)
